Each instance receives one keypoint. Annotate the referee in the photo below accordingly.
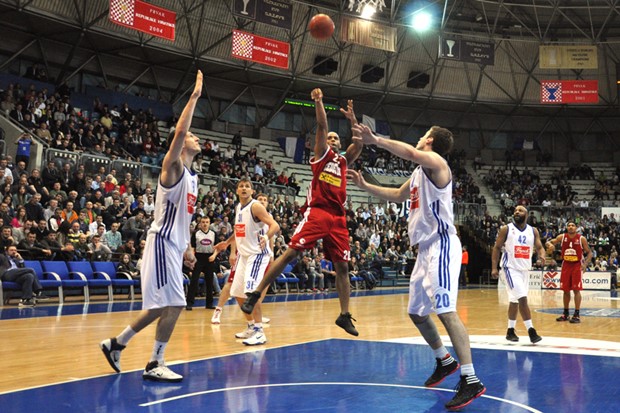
(202, 242)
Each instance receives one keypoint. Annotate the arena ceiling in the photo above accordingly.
(75, 38)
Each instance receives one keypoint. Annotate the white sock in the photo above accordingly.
(528, 324)
(158, 351)
(441, 352)
(126, 335)
(512, 323)
(258, 325)
(468, 370)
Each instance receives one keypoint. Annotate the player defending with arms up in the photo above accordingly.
(166, 250)
(324, 217)
(435, 278)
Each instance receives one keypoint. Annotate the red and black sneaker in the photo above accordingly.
(443, 369)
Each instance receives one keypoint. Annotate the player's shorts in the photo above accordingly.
(570, 277)
(434, 282)
(318, 224)
(161, 274)
(249, 272)
(517, 283)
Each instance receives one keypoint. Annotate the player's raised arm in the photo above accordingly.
(172, 166)
(355, 148)
(320, 143)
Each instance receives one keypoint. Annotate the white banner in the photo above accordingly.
(550, 280)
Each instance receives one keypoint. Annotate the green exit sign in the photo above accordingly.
(309, 104)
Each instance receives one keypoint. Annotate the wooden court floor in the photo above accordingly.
(62, 344)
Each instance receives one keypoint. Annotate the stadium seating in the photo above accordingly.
(59, 269)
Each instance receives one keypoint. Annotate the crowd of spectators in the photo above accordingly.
(68, 213)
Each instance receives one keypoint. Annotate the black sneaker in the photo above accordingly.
(27, 302)
(189, 308)
(511, 335)
(563, 317)
(468, 389)
(443, 369)
(344, 321)
(534, 337)
(112, 352)
(41, 297)
(250, 302)
(574, 319)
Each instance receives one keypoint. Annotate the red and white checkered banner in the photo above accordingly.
(144, 17)
(569, 91)
(248, 46)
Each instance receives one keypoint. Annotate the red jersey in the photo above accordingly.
(328, 190)
(572, 252)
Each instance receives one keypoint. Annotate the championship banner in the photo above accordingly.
(568, 57)
(569, 91)
(366, 33)
(274, 12)
(470, 51)
(143, 17)
(248, 46)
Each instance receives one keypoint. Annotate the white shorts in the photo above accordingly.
(161, 274)
(249, 272)
(517, 283)
(434, 282)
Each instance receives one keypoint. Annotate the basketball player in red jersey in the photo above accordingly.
(324, 217)
(573, 265)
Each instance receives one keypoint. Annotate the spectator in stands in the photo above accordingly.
(98, 250)
(112, 238)
(6, 238)
(303, 273)
(69, 214)
(21, 198)
(20, 217)
(128, 247)
(74, 233)
(237, 141)
(126, 266)
(12, 269)
(20, 234)
(34, 210)
(59, 253)
(134, 227)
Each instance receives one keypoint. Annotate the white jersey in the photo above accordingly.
(174, 208)
(434, 217)
(248, 231)
(518, 248)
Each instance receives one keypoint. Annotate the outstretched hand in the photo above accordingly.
(349, 113)
(356, 178)
(198, 88)
(363, 134)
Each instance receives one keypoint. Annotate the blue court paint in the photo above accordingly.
(340, 376)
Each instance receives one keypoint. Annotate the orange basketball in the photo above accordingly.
(321, 27)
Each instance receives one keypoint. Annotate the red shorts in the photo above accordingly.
(319, 224)
(570, 277)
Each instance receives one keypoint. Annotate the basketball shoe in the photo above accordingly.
(511, 335)
(112, 352)
(344, 321)
(160, 372)
(257, 338)
(443, 369)
(468, 389)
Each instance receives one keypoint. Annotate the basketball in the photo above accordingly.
(321, 27)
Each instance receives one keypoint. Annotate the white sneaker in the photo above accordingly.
(249, 332)
(257, 338)
(266, 320)
(160, 372)
(112, 352)
(216, 316)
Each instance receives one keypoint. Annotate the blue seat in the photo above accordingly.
(108, 269)
(8, 286)
(355, 281)
(47, 280)
(95, 280)
(287, 277)
(69, 280)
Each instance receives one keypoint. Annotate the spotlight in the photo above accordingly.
(421, 21)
